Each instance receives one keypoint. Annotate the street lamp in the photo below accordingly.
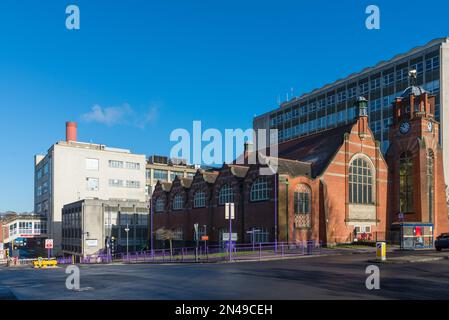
(127, 240)
(150, 207)
(286, 209)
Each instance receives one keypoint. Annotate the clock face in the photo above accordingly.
(430, 126)
(405, 127)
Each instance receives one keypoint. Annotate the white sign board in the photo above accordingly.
(48, 243)
(92, 243)
(226, 236)
(229, 210)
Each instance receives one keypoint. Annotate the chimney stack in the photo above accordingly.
(71, 131)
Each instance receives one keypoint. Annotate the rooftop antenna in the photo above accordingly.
(279, 100)
(412, 74)
(292, 92)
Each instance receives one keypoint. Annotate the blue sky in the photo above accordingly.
(148, 67)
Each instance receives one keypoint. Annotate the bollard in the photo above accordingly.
(260, 251)
(381, 251)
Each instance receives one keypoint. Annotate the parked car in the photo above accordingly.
(442, 242)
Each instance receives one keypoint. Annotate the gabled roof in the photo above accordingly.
(317, 149)
(186, 182)
(166, 186)
(210, 176)
(294, 168)
(238, 171)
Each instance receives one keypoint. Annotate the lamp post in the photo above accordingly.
(287, 226)
(150, 205)
(127, 240)
(275, 212)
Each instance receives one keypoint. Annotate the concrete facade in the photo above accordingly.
(72, 171)
(87, 225)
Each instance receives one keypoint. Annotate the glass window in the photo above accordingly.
(302, 206)
(174, 174)
(93, 184)
(178, 202)
(92, 164)
(160, 175)
(115, 183)
(226, 195)
(360, 182)
(160, 205)
(115, 164)
(178, 234)
(133, 165)
(259, 189)
(199, 199)
(406, 183)
(133, 184)
(430, 182)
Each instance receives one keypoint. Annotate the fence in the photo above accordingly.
(238, 252)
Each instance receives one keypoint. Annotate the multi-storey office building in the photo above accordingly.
(73, 171)
(333, 104)
(88, 226)
(164, 169)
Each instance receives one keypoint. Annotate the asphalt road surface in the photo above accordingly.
(327, 277)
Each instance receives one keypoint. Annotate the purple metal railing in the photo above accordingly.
(239, 252)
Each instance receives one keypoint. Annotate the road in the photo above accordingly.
(328, 277)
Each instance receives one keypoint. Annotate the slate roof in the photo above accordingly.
(166, 186)
(210, 177)
(416, 91)
(238, 171)
(186, 182)
(318, 149)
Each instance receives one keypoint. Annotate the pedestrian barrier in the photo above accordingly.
(239, 252)
(45, 263)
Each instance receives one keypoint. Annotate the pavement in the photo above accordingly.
(334, 277)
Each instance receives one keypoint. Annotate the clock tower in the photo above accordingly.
(416, 179)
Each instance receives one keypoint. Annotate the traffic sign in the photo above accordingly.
(229, 211)
(226, 236)
(205, 238)
(48, 243)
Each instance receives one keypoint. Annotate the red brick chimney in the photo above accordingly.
(71, 131)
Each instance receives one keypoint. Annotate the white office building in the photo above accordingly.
(73, 171)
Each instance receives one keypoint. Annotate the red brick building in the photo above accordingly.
(333, 186)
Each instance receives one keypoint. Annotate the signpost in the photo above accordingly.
(230, 215)
(49, 246)
(195, 226)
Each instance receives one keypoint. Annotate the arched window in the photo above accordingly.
(199, 199)
(406, 183)
(226, 195)
(430, 182)
(361, 182)
(302, 203)
(259, 189)
(160, 205)
(178, 202)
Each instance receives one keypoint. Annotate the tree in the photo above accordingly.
(166, 234)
